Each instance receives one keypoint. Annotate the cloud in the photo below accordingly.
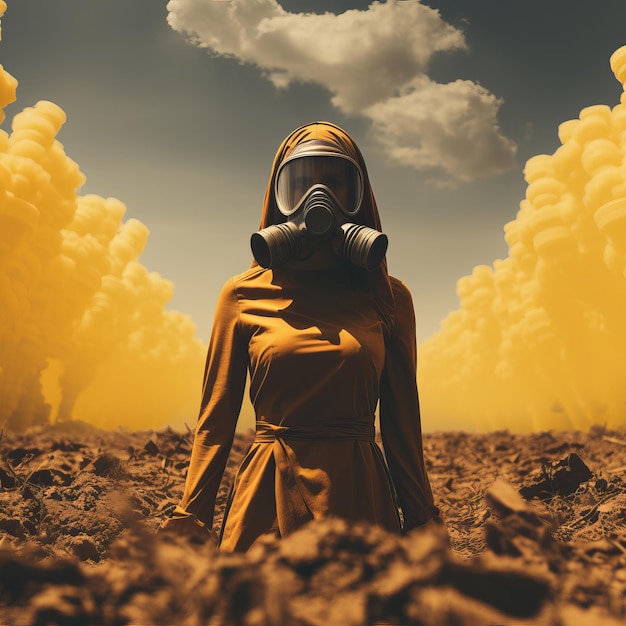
(374, 63)
(451, 127)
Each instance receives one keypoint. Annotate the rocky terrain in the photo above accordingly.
(536, 523)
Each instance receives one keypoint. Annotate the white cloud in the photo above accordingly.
(450, 127)
(374, 63)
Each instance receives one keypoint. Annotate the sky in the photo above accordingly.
(177, 110)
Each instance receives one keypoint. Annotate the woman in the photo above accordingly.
(325, 333)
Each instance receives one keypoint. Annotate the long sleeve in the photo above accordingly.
(222, 395)
(400, 420)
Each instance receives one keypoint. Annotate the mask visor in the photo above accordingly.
(337, 173)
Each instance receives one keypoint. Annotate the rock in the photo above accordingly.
(601, 485)
(21, 576)
(433, 606)
(104, 465)
(510, 588)
(7, 479)
(561, 482)
(17, 455)
(521, 532)
(63, 604)
(151, 448)
(84, 548)
(504, 499)
(47, 477)
(13, 527)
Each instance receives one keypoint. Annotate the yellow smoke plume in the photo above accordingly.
(84, 333)
(539, 340)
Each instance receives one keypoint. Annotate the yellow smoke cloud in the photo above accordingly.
(539, 340)
(84, 332)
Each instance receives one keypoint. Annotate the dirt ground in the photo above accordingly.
(536, 524)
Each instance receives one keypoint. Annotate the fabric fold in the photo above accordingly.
(291, 501)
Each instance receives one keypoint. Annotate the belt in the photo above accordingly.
(356, 429)
(292, 507)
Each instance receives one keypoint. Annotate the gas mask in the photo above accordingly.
(319, 191)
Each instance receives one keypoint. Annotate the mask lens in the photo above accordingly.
(339, 174)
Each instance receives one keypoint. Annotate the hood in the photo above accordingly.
(341, 142)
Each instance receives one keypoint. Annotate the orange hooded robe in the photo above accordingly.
(322, 348)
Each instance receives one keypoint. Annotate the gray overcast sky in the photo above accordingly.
(185, 137)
